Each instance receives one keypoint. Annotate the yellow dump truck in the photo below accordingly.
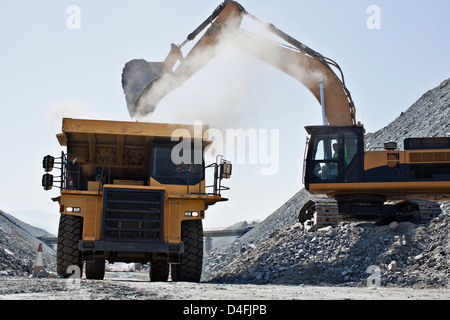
(133, 192)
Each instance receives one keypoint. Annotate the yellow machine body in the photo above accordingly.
(118, 157)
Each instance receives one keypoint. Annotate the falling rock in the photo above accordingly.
(394, 225)
(392, 266)
(325, 229)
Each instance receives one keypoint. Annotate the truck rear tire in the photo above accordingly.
(69, 234)
(191, 260)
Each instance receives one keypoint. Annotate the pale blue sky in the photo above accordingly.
(49, 71)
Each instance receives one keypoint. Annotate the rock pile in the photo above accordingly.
(428, 117)
(286, 215)
(404, 253)
(11, 266)
(19, 248)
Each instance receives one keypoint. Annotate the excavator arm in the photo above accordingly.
(147, 83)
(321, 81)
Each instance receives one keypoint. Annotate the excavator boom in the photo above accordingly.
(147, 83)
(312, 73)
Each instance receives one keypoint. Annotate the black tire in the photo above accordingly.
(159, 271)
(95, 270)
(191, 260)
(69, 234)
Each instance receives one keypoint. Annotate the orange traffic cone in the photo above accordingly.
(39, 265)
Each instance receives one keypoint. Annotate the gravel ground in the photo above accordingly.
(135, 286)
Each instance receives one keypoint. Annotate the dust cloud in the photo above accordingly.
(230, 92)
(63, 110)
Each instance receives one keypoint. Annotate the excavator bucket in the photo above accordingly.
(146, 83)
(137, 79)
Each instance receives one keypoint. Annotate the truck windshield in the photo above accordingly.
(171, 168)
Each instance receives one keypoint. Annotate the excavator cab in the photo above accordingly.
(334, 155)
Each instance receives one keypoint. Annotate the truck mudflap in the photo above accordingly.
(130, 246)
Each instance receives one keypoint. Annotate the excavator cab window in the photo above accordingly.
(333, 154)
(326, 157)
(350, 148)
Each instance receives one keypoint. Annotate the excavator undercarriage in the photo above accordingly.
(319, 212)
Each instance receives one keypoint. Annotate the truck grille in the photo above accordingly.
(133, 215)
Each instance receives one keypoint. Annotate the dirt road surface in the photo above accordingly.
(135, 286)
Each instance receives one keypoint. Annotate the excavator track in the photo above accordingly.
(428, 210)
(319, 213)
(323, 212)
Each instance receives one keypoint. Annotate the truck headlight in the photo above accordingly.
(225, 170)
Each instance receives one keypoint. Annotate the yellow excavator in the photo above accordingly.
(380, 183)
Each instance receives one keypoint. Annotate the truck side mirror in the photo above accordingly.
(225, 170)
(47, 181)
(48, 163)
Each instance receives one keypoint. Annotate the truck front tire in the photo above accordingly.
(69, 234)
(191, 260)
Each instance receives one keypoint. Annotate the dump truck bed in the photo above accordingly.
(126, 144)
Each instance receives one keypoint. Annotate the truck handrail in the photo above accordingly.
(103, 171)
